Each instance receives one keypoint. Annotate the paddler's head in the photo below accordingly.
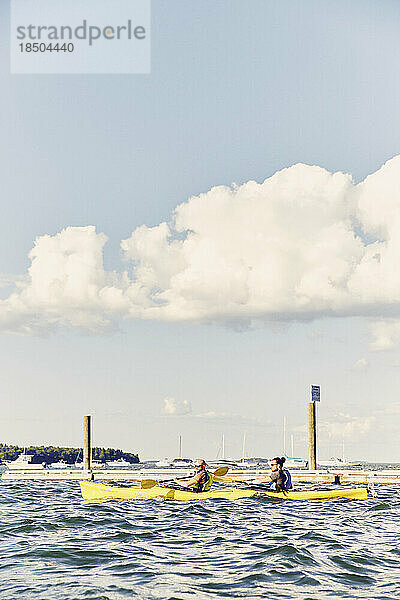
(201, 464)
(277, 463)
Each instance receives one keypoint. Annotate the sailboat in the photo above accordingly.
(93, 463)
(247, 462)
(176, 462)
(292, 462)
(181, 462)
(335, 461)
(223, 461)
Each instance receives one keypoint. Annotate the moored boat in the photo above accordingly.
(23, 462)
(232, 464)
(119, 462)
(182, 462)
(337, 462)
(176, 462)
(164, 462)
(295, 462)
(61, 464)
(93, 491)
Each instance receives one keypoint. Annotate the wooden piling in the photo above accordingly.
(87, 446)
(312, 437)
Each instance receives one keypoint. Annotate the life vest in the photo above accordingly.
(288, 480)
(204, 484)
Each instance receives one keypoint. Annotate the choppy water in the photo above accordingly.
(55, 547)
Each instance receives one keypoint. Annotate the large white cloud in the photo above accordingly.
(66, 284)
(303, 244)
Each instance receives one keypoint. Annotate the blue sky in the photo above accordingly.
(237, 92)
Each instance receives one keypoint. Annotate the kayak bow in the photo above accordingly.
(100, 491)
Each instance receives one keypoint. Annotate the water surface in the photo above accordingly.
(55, 547)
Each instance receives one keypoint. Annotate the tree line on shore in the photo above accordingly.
(52, 454)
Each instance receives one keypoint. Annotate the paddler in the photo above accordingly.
(202, 480)
(280, 479)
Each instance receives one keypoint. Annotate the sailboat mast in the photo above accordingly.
(292, 441)
(180, 446)
(244, 447)
(223, 447)
(284, 436)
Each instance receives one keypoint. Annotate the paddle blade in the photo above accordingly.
(221, 471)
(146, 484)
(223, 479)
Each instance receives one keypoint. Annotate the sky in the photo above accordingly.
(186, 252)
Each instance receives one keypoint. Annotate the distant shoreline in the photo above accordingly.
(53, 454)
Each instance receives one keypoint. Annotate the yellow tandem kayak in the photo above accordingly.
(100, 491)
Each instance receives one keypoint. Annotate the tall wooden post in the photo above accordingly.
(87, 446)
(312, 437)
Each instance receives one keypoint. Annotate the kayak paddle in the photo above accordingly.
(146, 484)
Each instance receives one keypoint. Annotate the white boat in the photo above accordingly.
(295, 462)
(232, 464)
(337, 462)
(93, 463)
(292, 462)
(164, 462)
(244, 462)
(248, 463)
(98, 463)
(182, 462)
(220, 460)
(119, 462)
(24, 463)
(176, 462)
(61, 464)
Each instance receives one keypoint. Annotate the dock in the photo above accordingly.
(89, 472)
(326, 476)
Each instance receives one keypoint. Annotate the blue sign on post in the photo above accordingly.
(315, 393)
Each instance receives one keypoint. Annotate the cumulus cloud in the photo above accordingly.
(66, 285)
(386, 334)
(213, 415)
(347, 426)
(173, 407)
(304, 244)
(360, 365)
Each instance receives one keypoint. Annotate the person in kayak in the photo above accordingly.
(202, 480)
(280, 478)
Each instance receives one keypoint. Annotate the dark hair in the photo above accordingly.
(280, 461)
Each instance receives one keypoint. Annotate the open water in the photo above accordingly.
(55, 547)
